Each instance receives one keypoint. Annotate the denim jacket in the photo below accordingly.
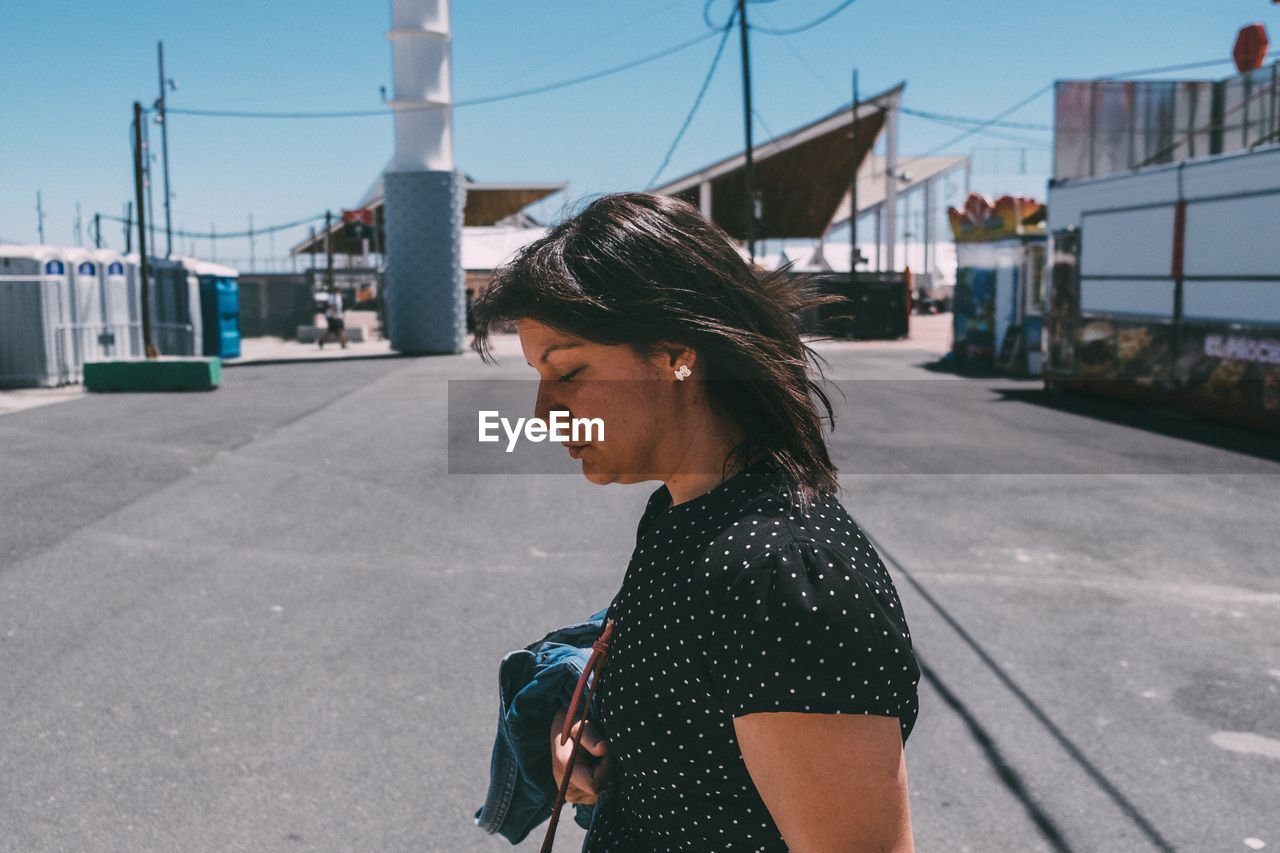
(533, 684)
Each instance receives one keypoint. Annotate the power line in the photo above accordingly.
(994, 120)
(697, 101)
(221, 235)
(1208, 63)
(821, 19)
(986, 130)
(706, 11)
(470, 102)
(804, 62)
(989, 122)
(1021, 125)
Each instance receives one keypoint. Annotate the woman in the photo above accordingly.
(761, 683)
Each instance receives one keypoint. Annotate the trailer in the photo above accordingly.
(1164, 286)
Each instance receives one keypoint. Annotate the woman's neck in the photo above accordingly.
(706, 464)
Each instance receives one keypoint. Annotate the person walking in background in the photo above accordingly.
(334, 318)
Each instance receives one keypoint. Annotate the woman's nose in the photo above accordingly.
(547, 401)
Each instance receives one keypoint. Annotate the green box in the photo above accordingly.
(167, 373)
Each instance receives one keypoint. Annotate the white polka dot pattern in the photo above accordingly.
(735, 602)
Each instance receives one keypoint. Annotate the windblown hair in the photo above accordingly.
(639, 269)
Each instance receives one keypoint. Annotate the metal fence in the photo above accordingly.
(1102, 127)
(78, 343)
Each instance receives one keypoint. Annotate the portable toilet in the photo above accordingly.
(87, 332)
(219, 307)
(121, 306)
(175, 306)
(35, 318)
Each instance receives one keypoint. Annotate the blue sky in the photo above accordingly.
(71, 71)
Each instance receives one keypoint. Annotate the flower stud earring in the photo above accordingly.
(683, 372)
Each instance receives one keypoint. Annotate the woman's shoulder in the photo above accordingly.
(814, 609)
(773, 518)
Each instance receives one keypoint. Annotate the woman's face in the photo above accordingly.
(635, 397)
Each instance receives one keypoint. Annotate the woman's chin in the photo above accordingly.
(597, 474)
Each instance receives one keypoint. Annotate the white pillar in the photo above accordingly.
(704, 199)
(890, 186)
(422, 98)
(425, 194)
(879, 240)
(928, 226)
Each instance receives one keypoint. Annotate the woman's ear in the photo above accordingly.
(676, 354)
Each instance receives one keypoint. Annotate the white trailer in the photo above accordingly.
(1165, 283)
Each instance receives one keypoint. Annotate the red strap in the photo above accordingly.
(595, 663)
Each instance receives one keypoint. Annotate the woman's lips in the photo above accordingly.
(575, 450)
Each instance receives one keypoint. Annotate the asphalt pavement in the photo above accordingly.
(268, 618)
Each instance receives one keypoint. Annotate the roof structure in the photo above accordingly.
(486, 204)
(799, 177)
(912, 172)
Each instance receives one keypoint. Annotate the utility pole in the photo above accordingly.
(128, 227)
(746, 100)
(97, 230)
(151, 211)
(164, 149)
(854, 254)
(40, 217)
(143, 267)
(328, 250)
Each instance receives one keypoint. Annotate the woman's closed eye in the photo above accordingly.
(572, 373)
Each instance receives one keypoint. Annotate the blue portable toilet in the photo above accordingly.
(219, 307)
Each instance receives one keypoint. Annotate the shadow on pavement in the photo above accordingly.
(1170, 423)
(259, 362)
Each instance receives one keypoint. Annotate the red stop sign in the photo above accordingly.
(1251, 48)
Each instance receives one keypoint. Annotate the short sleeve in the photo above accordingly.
(809, 627)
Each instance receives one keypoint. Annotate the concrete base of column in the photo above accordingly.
(425, 299)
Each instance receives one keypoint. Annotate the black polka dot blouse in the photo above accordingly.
(736, 602)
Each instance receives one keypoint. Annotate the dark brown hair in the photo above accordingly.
(638, 269)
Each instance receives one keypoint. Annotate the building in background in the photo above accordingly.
(926, 187)
(802, 186)
(799, 178)
(495, 226)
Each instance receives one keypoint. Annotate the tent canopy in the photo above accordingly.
(486, 204)
(912, 172)
(799, 177)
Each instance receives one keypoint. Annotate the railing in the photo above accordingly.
(78, 343)
(1104, 127)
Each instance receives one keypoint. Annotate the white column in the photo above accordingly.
(425, 195)
(928, 226)
(890, 186)
(422, 98)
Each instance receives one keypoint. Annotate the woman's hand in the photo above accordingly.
(592, 769)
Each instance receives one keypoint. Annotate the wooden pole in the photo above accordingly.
(749, 168)
(143, 267)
